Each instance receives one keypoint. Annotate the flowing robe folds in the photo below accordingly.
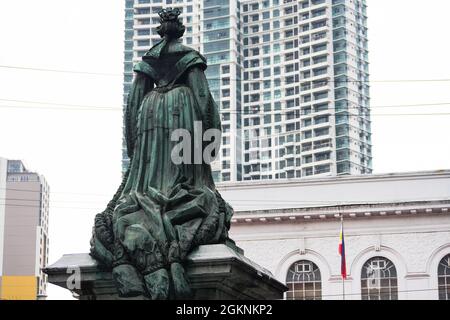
(162, 210)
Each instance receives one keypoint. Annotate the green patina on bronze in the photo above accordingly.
(162, 211)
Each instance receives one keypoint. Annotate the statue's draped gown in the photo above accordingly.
(164, 209)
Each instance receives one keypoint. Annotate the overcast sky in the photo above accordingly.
(79, 151)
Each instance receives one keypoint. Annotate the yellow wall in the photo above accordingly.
(18, 288)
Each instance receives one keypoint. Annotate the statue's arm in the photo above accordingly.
(142, 84)
(207, 107)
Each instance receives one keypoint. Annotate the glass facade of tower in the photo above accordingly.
(127, 67)
(290, 79)
(271, 90)
(221, 45)
(306, 98)
(351, 79)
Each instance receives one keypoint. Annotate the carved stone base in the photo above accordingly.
(215, 272)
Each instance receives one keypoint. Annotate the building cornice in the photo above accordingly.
(368, 210)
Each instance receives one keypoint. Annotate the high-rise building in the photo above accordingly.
(24, 210)
(290, 78)
(213, 27)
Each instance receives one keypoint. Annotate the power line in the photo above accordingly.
(284, 112)
(339, 202)
(120, 108)
(60, 71)
(31, 206)
(255, 201)
(216, 79)
(327, 81)
(62, 108)
(51, 201)
(58, 192)
(333, 203)
(363, 202)
(323, 80)
(64, 104)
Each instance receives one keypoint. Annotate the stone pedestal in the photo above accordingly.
(216, 272)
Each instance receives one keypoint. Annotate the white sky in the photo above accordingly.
(79, 152)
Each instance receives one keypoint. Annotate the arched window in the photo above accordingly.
(304, 281)
(379, 280)
(444, 278)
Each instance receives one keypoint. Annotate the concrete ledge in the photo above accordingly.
(216, 272)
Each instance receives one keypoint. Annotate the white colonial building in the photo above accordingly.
(397, 234)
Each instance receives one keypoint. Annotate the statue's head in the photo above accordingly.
(171, 26)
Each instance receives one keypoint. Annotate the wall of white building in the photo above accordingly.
(414, 244)
(414, 232)
(314, 192)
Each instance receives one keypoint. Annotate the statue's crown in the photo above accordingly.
(169, 14)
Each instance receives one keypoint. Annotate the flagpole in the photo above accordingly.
(342, 276)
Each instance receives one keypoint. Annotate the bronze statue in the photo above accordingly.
(163, 209)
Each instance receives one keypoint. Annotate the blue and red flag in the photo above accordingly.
(342, 251)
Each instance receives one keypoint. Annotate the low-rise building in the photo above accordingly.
(24, 210)
(396, 226)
